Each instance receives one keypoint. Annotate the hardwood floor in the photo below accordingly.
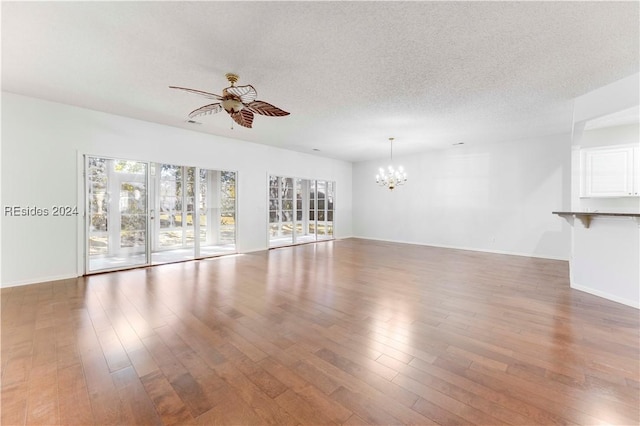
(344, 332)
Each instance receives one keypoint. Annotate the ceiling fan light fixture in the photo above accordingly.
(232, 105)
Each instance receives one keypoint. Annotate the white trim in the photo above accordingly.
(510, 253)
(605, 295)
(253, 250)
(41, 280)
(81, 203)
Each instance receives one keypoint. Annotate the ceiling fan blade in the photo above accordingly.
(264, 108)
(199, 92)
(207, 109)
(243, 117)
(247, 94)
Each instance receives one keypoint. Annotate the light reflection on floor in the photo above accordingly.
(157, 258)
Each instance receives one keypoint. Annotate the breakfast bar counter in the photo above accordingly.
(605, 254)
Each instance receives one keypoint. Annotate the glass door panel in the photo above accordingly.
(174, 236)
(329, 199)
(298, 211)
(133, 216)
(281, 208)
(313, 208)
(189, 210)
(303, 217)
(286, 220)
(217, 212)
(98, 209)
(227, 234)
(321, 219)
(117, 218)
(274, 210)
(169, 208)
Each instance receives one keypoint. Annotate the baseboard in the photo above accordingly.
(252, 250)
(605, 295)
(510, 253)
(38, 280)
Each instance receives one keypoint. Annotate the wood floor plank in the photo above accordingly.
(42, 408)
(260, 402)
(136, 404)
(364, 407)
(74, 402)
(307, 391)
(14, 404)
(355, 420)
(341, 332)
(231, 409)
(169, 406)
(320, 378)
(299, 408)
(475, 394)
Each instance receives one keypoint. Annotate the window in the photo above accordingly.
(300, 210)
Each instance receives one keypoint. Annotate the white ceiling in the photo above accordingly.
(352, 74)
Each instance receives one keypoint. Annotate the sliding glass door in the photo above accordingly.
(142, 213)
(300, 210)
(116, 214)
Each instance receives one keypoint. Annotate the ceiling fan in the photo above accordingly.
(239, 101)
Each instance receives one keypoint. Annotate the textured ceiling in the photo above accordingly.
(352, 74)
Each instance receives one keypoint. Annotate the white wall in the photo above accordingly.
(613, 97)
(41, 142)
(605, 258)
(495, 197)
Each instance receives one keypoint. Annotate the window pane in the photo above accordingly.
(173, 222)
(133, 167)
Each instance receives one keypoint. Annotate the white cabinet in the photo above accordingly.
(612, 171)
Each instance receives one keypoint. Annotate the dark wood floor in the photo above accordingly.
(346, 332)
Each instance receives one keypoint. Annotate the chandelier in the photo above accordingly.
(391, 177)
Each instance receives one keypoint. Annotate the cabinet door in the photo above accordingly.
(608, 172)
